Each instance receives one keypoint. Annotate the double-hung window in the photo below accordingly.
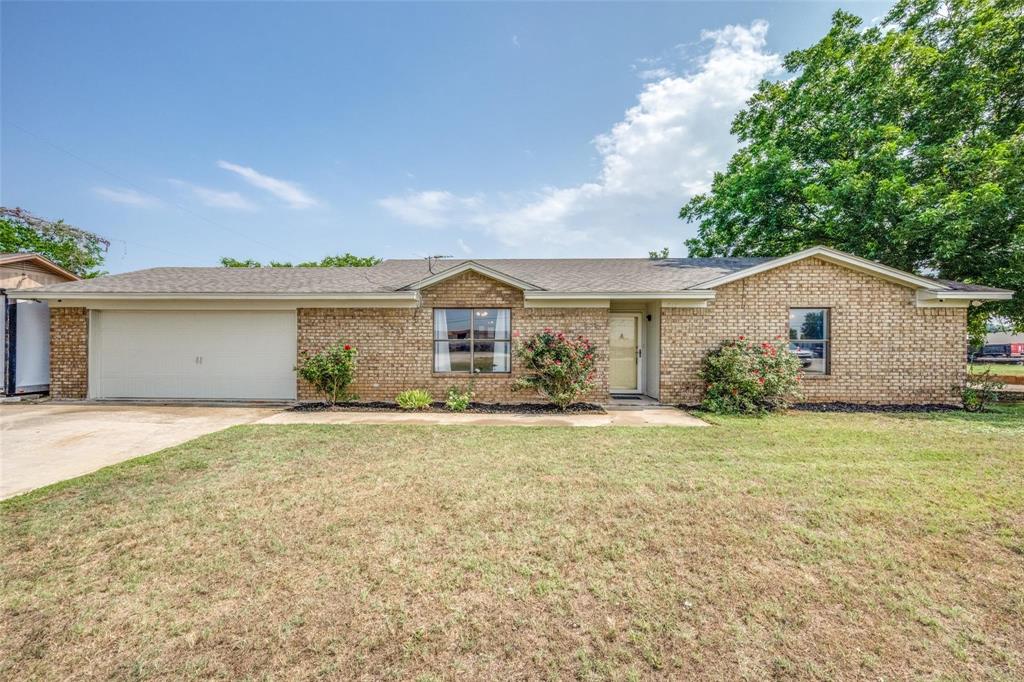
(477, 340)
(809, 338)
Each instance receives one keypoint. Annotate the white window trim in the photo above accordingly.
(472, 340)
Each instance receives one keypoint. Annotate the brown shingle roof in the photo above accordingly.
(567, 275)
(563, 274)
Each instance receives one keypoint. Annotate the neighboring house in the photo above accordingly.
(866, 333)
(25, 363)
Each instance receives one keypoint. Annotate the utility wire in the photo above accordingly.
(121, 178)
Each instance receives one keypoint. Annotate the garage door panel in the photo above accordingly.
(203, 355)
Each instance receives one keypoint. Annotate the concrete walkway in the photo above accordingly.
(647, 416)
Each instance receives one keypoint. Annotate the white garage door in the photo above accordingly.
(204, 355)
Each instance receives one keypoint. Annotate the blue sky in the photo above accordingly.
(188, 131)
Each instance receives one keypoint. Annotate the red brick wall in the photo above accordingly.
(885, 349)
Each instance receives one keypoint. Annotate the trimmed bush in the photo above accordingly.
(330, 371)
(750, 378)
(415, 399)
(557, 367)
(979, 390)
(459, 400)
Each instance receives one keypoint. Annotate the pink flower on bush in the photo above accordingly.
(348, 347)
(557, 366)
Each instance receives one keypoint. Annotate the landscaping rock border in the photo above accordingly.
(474, 408)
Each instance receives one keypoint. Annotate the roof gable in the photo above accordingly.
(837, 258)
(472, 266)
(40, 261)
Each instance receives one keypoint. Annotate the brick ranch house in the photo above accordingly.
(865, 333)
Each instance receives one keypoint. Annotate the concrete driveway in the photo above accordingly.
(45, 443)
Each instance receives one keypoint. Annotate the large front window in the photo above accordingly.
(808, 338)
(474, 340)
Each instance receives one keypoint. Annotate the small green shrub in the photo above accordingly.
(750, 378)
(458, 400)
(330, 371)
(559, 368)
(415, 399)
(980, 390)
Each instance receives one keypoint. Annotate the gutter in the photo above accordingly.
(687, 295)
(400, 296)
(957, 295)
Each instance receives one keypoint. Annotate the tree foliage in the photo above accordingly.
(345, 260)
(902, 143)
(74, 249)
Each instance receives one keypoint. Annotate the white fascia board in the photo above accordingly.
(957, 295)
(477, 268)
(598, 299)
(832, 256)
(687, 295)
(396, 297)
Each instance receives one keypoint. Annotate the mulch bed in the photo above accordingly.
(474, 408)
(857, 407)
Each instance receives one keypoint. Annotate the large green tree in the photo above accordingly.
(74, 249)
(345, 260)
(903, 143)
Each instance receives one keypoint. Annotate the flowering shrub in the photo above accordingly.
(415, 399)
(750, 378)
(330, 371)
(559, 368)
(458, 399)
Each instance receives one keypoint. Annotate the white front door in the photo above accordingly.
(216, 355)
(625, 356)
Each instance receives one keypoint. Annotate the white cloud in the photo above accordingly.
(432, 208)
(128, 197)
(655, 74)
(288, 192)
(665, 149)
(464, 246)
(216, 198)
(515, 40)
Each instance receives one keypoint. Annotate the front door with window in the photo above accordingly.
(624, 354)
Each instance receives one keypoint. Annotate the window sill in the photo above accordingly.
(815, 377)
(471, 375)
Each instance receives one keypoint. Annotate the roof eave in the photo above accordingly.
(43, 262)
(209, 296)
(960, 295)
(683, 295)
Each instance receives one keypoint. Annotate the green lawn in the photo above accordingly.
(998, 368)
(813, 546)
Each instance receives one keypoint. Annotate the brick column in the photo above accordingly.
(69, 353)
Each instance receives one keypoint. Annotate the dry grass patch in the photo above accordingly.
(805, 546)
